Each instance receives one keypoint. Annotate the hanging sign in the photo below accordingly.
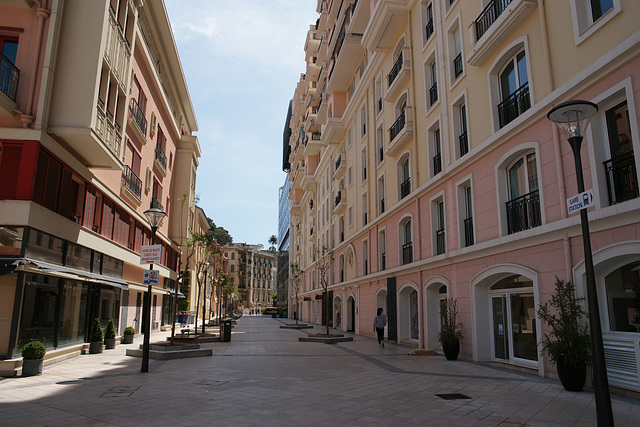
(579, 202)
(151, 254)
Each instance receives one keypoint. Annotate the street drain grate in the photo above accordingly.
(120, 391)
(453, 396)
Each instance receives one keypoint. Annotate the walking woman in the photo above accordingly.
(379, 322)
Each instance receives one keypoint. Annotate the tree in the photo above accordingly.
(221, 235)
(204, 245)
(273, 241)
(296, 277)
(324, 264)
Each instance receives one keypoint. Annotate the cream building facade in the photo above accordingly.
(253, 271)
(423, 161)
(96, 126)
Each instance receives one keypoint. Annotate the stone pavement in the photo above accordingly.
(265, 377)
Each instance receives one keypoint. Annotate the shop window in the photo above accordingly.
(623, 298)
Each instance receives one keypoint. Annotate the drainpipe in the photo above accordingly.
(562, 191)
(545, 44)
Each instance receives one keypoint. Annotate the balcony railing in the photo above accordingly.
(437, 163)
(131, 181)
(440, 242)
(457, 66)
(379, 104)
(433, 93)
(407, 253)
(429, 28)
(382, 206)
(622, 180)
(380, 154)
(155, 203)
(138, 117)
(9, 77)
(489, 15)
(468, 231)
(338, 162)
(464, 143)
(405, 188)
(524, 212)
(517, 103)
(383, 261)
(397, 126)
(161, 157)
(395, 70)
(338, 198)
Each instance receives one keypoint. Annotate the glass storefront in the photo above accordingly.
(623, 298)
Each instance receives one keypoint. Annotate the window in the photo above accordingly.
(436, 160)
(406, 241)
(380, 144)
(382, 250)
(465, 207)
(523, 207)
(514, 89)
(460, 127)
(401, 120)
(623, 293)
(378, 95)
(89, 208)
(365, 257)
(341, 267)
(431, 81)
(365, 210)
(108, 214)
(46, 186)
(381, 195)
(363, 121)
(404, 177)
(427, 20)
(439, 226)
(9, 74)
(364, 164)
(455, 51)
(341, 229)
(590, 15)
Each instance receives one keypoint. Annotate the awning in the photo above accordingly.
(73, 273)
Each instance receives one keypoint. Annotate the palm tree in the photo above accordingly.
(273, 241)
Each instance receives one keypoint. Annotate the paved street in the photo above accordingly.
(265, 377)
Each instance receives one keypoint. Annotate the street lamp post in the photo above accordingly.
(572, 118)
(155, 217)
(204, 294)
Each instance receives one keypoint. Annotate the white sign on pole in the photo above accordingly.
(151, 277)
(151, 254)
(579, 202)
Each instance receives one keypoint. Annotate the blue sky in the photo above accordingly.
(242, 60)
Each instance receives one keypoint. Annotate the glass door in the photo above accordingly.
(500, 333)
(514, 331)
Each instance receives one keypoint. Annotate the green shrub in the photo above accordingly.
(110, 332)
(129, 330)
(96, 331)
(34, 350)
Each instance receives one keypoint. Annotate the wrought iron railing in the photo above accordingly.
(405, 188)
(155, 203)
(468, 231)
(457, 65)
(138, 117)
(407, 253)
(440, 241)
(524, 212)
(622, 180)
(395, 70)
(397, 126)
(338, 162)
(380, 154)
(161, 157)
(429, 28)
(489, 15)
(131, 181)
(433, 93)
(514, 105)
(9, 77)
(383, 261)
(464, 143)
(382, 206)
(437, 163)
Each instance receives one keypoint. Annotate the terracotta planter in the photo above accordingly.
(127, 339)
(451, 350)
(572, 376)
(31, 367)
(96, 347)
(110, 343)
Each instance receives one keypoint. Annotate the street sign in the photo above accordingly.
(579, 202)
(151, 277)
(151, 254)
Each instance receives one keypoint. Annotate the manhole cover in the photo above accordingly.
(452, 396)
(120, 391)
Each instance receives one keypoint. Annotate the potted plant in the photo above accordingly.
(567, 342)
(95, 345)
(451, 331)
(129, 332)
(33, 358)
(110, 336)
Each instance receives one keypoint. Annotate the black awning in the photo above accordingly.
(46, 267)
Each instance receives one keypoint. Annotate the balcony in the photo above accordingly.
(401, 131)
(457, 66)
(346, 58)
(428, 29)
(360, 16)
(383, 261)
(463, 143)
(117, 52)
(399, 75)
(622, 180)
(437, 164)
(498, 21)
(468, 232)
(524, 212)
(407, 253)
(155, 203)
(440, 242)
(108, 131)
(405, 188)
(333, 130)
(161, 160)
(131, 186)
(339, 203)
(9, 77)
(433, 94)
(388, 20)
(516, 104)
(138, 121)
(339, 166)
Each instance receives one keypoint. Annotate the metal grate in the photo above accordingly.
(120, 391)
(453, 396)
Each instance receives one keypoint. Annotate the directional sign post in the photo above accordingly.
(583, 200)
(151, 254)
(151, 277)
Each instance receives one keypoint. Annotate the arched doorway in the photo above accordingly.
(408, 322)
(351, 314)
(381, 301)
(436, 293)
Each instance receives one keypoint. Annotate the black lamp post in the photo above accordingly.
(572, 117)
(204, 294)
(155, 217)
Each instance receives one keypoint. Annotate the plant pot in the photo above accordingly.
(96, 347)
(451, 349)
(110, 343)
(127, 339)
(572, 376)
(31, 367)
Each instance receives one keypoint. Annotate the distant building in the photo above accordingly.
(252, 270)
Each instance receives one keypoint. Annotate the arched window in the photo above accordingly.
(341, 267)
(404, 177)
(523, 206)
(407, 241)
(514, 89)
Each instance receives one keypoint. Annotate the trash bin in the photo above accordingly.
(225, 330)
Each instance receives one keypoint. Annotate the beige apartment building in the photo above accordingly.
(96, 127)
(424, 167)
(252, 270)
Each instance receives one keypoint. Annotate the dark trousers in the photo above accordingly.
(380, 332)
